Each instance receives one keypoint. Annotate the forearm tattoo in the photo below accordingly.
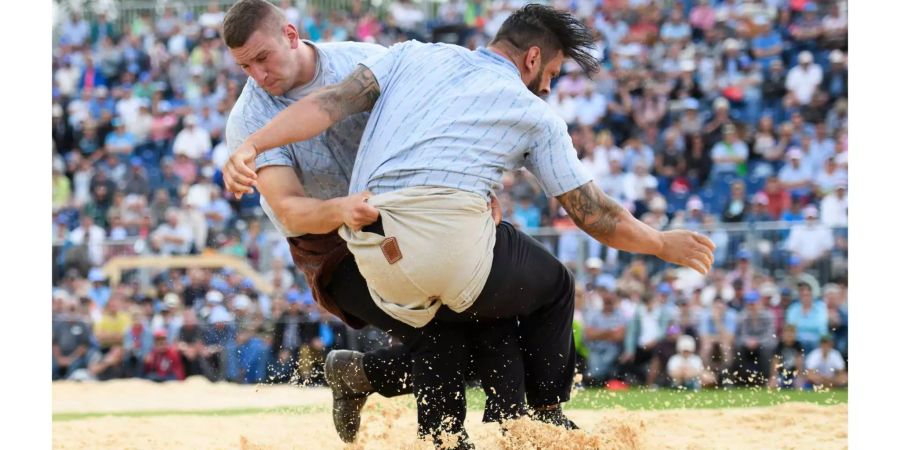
(592, 210)
(356, 93)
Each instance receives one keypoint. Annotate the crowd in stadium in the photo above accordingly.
(705, 113)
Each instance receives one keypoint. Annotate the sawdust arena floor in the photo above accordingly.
(197, 414)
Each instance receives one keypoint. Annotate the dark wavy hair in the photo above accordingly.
(551, 30)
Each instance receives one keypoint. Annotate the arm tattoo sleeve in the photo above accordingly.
(356, 93)
(592, 210)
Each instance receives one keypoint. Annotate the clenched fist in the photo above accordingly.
(689, 249)
(356, 212)
(239, 172)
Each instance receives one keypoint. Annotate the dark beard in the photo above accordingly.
(535, 86)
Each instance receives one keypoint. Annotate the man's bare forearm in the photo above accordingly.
(317, 112)
(606, 221)
(301, 215)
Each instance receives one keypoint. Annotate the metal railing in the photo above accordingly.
(765, 242)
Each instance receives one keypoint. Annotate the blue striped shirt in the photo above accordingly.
(323, 164)
(451, 117)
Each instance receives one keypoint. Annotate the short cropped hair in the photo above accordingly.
(247, 16)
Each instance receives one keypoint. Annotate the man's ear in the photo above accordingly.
(532, 61)
(292, 35)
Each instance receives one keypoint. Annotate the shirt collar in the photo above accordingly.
(497, 58)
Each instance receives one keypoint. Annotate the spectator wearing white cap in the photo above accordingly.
(759, 211)
(796, 176)
(835, 82)
(804, 78)
(812, 241)
(721, 116)
(168, 317)
(192, 141)
(596, 276)
(730, 154)
(685, 369)
(834, 206)
(695, 213)
(656, 215)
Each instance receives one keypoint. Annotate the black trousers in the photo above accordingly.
(526, 282)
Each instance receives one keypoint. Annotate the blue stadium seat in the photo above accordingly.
(754, 184)
(677, 201)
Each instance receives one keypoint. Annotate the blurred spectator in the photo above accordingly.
(809, 317)
(120, 141)
(636, 184)
(796, 176)
(828, 179)
(755, 341)
(250, 356)
(834, 207)
(804, 78)
(685, 368)
(717, 331)
(280, 277)
(837, 317)
(71, 339)
(786, 370)
(89, 239)
(163, 363)
(217, 337)
(406, 15)
(137, 343)
(192, 141)
(171, 237)
(797, 276)
(137, 182)
(825, 367)
(99, 292)
(811, 241)
(643, 339)
(604, 334)
(736, 206)
(759, 209)
(190, 344)
(729, 154)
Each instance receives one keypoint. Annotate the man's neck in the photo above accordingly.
(309, 61)
(506, 52)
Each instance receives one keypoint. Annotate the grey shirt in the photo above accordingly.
(323, 164)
